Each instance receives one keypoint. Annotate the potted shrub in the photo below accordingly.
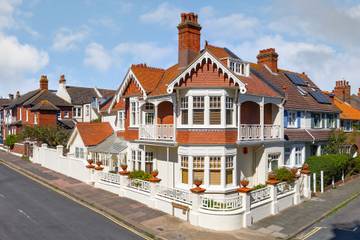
(155, 173)
(98, 167)
(198, 189)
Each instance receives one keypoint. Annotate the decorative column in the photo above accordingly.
(244, 192)
(223, 111)
(143, 159)
(174, 117)
(190, 111)
(223, 173)
(190, 169)
(306, 175)
(196, 198)
(272, 182)
(206, 110)
(262, 119)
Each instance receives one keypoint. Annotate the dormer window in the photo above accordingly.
(237, 67)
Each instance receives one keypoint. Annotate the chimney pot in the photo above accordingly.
(342, 90)
(269, 57)
(44, 83)
(62, 79)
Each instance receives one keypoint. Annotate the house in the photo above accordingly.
(3, 103)
(309, 115)
(40, 107)
(87, 101)
(206, 117)
(97, 141)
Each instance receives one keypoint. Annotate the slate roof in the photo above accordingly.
(4, 102)
(66, 123)
(84, 95)
(355, 101)
(94, 133)
(294, 99)
(49, 96)
(44, 105)
(23, 98)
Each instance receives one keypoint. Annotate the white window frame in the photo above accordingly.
(184, 106)
(273, 157)
(36, 118)
(292, 121)
(121, 120)
(215, 105)
(302, 152)
(87, 110)
(27, 115)
(134, 113)
(77, 112)
(287, 152)
(320, 120)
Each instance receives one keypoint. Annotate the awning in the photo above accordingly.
(112, 144)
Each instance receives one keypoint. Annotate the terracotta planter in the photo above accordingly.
(197, 182)
(90, 163)
(294, 171)
(99, 167)
(271, 176)
(154, 174)
(198, 189)
(124, 167)
(244, 183)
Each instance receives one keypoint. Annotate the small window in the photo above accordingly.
(229, 164)
(229, 110)
(317, 120)
(66, 114)
(298, 156)
(301, 91)
(292, 119)
(215, 110)
(134, 116)
(215, 170)
(121, 120)
(87, 110)
(185, 169)
(273, 160)
(133, 159)
(198, 168)
(331, 121)
(232, 66)
(287, 154)
(184, 110)
(149, 156)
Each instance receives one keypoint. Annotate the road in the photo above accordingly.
(343, 224)
(31, 211)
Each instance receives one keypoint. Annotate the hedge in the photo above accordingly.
(333, 165)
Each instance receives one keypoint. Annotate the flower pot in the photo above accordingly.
(98, 163)
(124, 167)
(197, 182)
(244, 183)
(154, 174)
(271, 176)
(294, 171)
(90, 161)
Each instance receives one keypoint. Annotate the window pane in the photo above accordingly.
(184, 117)
(185, 176)
(229, 176)
(215, 116)
(229, 116)
(215, 177)
(198, 116)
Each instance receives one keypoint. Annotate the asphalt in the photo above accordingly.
(31, 211)
(343, 224)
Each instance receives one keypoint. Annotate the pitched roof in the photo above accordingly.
(355, 101)
(308, 135)
(4, 102)
(49, 96)
(220, 52)
(23, 98)
(347, 111)
(94, 133)
(294, 99)
(44, 105)
(84, 95)
(148, 77)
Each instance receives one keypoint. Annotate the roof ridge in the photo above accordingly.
(144, 65)
(33, 98)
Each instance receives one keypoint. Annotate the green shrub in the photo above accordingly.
(333, 165)
(284, 175)
(355, 165)
(259, 186)
(139, 174)
(11, 140)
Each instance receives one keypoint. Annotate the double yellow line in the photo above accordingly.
(312, 232)
(82, 203)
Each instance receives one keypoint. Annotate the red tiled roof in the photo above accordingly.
(119, 106)
(347, 111)
(148, 77)
(94, 133)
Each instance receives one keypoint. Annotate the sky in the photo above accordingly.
(94, 42)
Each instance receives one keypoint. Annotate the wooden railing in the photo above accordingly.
(157, 132)
(253, 132)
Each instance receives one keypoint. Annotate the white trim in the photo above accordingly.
(208, 59)
(98, 92)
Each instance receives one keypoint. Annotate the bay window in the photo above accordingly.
(215, 110)
(198, 168)
(215, 170)
(198, 110)
(229, 110)
(184, 104)
(185, 169)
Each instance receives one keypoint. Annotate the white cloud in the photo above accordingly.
(164, 14)
(96, 56)
(144, 52)
(66, 39)
(17, 61)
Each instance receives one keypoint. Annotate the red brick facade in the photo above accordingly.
(208, 136)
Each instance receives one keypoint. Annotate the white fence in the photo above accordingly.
(271, 131)
(214, 211)
(164, 132)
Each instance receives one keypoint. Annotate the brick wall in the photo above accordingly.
(19, 148)
(208, 136)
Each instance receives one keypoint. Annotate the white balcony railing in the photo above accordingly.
(175, 194)
(158, 132)
(109, 177)
(252, 132)
(259, 195)
(221, 204)
(139, 185)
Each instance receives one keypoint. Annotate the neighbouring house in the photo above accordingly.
(4, 102)
(309, 116)
(87, 101)
(40, 107)
(350, 114)
(96, 141)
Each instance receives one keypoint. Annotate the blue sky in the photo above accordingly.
(94, 42)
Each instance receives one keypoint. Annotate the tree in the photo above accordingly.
(336, 143)
(52, 136)
(11, 140)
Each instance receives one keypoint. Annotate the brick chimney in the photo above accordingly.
(44, 83)
(269, 57)
(62, 79)
(17, 94)
(189, 38)
(342, 90)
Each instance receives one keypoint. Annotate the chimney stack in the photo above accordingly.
(342, 90)
(359, 92)
(189, 39)
(11, 96)
(17, 94)
(269, 57)
(44, 83)
(62, 79)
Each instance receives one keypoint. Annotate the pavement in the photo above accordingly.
(33, 212)
(157, 224)
(342, 224)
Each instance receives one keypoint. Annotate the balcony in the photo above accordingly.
(157, 132)
(253, 132)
